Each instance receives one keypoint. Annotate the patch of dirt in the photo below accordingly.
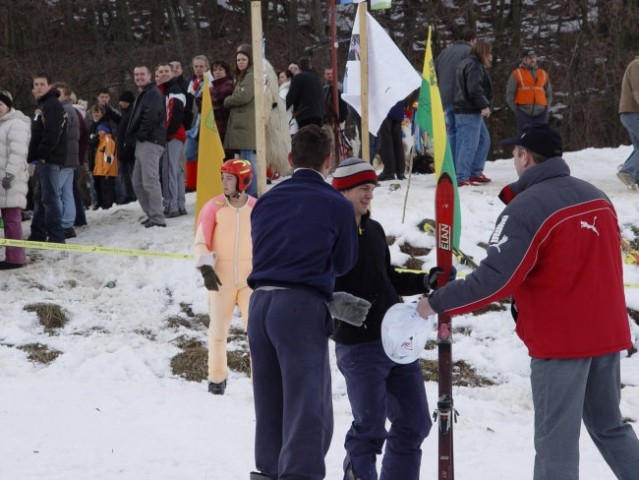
(492, 307)
(240, 361)
(464, 374)
(39, 353)
(192, 363)
(414, 264)
(390, 240)
(409, 249)
(51, 316)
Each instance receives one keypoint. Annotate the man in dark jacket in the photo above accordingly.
(446, 66)
(147, 132)
(126, 156)
(303, 233)
(555, 250)
(306, 96)
(72, 161)
(48, 151)
(378, 388)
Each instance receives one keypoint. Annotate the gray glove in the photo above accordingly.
(349, 308)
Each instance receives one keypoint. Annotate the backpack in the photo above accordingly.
(190, 111)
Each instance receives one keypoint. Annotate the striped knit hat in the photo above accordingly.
(352, 173)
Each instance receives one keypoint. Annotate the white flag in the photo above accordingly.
(391, 77)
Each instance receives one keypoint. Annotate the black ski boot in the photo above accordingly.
(258, 476)
(217, 388)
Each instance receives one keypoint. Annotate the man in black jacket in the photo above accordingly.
(306, 96)
(146, 131)
(48, 151)
(378, 389)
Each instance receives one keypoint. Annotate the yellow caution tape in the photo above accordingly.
(72, 247)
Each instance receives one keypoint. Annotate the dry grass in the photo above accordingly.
(464, 374)
(192, 363)
(240, 361)
(39, 353)
(51, 316)
(409, 249)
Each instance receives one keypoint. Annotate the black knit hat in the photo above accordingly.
(528, 52)
(6, 98)
(540, 139)
(127, 96)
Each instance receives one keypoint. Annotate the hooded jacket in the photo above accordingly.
(15, 133)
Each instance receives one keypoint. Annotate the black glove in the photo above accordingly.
(211, 280)
(6, 181)
(349, 308)
(430, 279)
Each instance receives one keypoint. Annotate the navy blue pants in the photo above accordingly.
(288, 337)
(380, 389)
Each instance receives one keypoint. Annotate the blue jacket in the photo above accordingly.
(304, 234)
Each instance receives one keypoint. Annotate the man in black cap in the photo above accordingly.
(555, 250)
(529, 93)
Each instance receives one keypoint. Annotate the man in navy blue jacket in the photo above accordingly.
(304, 234)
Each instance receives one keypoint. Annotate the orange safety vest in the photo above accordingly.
(529, 91)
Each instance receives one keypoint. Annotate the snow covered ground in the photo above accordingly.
(110, 408)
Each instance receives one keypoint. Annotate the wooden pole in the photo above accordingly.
(363, 55)
(335, 120)
(258, 87)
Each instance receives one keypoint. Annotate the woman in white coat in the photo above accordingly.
(15, 133)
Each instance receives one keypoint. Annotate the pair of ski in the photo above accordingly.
(445, 414)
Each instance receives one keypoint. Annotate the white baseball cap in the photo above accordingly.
(404, 333)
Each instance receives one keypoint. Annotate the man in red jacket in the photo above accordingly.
(555, 250)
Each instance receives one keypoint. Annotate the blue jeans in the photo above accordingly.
(473, 145)
(631, 122)
(451, 128)
(67, 202)
(565, 392)
(380, 389)
(46, 224)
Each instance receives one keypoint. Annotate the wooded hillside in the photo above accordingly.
(584, 45)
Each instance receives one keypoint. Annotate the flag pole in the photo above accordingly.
(335, 121)
(258, 87)
(363, 43)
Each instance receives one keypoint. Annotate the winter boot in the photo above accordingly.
(217, 388)
(258, 476)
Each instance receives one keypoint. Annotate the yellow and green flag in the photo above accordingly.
(210, 153)
(430, 118)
